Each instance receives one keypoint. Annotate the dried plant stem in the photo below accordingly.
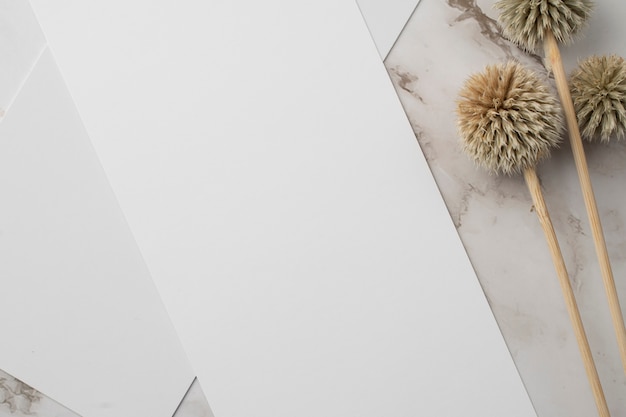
(568, 294)
(553, 59)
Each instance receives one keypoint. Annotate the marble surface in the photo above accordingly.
(442, 44)
(18, 399)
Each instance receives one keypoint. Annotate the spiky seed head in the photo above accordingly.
(598, 89)
(526, 22)
(508, 118)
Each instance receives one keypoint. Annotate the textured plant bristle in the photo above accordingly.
(598, 89)
(508, 118)
(526, 22)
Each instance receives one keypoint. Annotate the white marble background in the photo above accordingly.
(441, 45)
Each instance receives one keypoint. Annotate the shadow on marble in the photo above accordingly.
(18, 399)
(442, 44)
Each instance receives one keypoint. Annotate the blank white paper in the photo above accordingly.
(81, 319)
(21, 44)
(284, 208)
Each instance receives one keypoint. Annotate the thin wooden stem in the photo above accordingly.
(553, 59)
(568, 294)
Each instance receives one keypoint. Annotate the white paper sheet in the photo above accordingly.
(284, 208)
(81, 319)
(21, 44)
(385, 20)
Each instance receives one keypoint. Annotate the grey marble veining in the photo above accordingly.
(18, 399)
(442, 44)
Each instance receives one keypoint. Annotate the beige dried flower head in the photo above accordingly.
(598, 88)
(508, 119)
(526, 22)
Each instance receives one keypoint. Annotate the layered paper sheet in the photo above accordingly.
(284, 208)
(81, 319)
(21, 44)
(385, 20)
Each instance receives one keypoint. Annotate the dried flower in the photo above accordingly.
(508, 119)
(598, 89)
(526, 22)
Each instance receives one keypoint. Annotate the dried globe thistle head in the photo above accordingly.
(508, 118)
(598, 89)
(526, 22)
